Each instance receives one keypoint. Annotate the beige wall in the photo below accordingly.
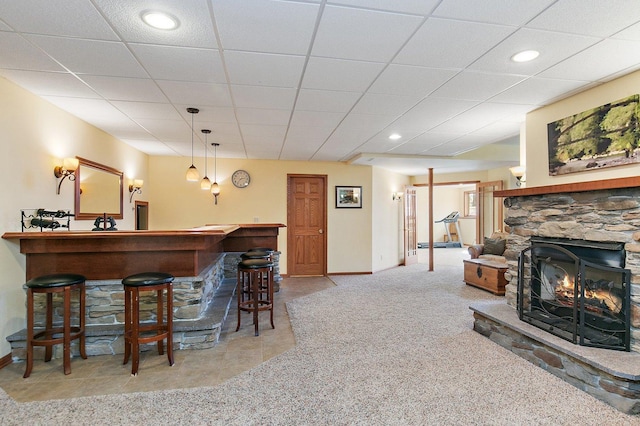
(175, 203)
(537, 151)
(35, 137)
(387, 220)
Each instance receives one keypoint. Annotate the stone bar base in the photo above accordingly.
(201, 305)
(611, 376)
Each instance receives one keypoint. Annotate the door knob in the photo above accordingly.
(320, 231)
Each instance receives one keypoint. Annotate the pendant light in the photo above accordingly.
(192, 172)
(205, 183)
(215, 188)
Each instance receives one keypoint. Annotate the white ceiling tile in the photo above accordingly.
(137, 110)
(349, 33)
(266, 131)
(553, 48)
(195, 29)
(263, 116)
(150, 147)
(385, 104)
(431, 112)
(339, 74)
(505, 12)
(196, 94)
(90, 110)
(90, 56)
(4, 27)
(326, 100)
(130, 130)
(50, 83)
(629, 33)
(263, 97)
(17, 53)
(424, 141)
(596, 18)
(168, 130)
(438, 43)
(410, 80)
(418, 7)
(605, 59)
(125, 89)
(168, 63)
(209, 114)
(313, 135)
(262, 69)
(316, 118)
(73, 18)
(479, 116)
(265, 26)
(476, 86)
(537, 91)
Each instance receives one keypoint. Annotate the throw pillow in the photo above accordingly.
(494, 246)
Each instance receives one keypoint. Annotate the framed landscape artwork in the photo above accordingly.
(348, 197)
(606, 136)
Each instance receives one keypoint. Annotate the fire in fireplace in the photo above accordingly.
(578, 290)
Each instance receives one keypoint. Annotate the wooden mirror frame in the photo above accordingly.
(79, 215)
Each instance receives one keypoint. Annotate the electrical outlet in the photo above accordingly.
(256, 220)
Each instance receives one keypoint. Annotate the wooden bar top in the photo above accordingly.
(100, 255)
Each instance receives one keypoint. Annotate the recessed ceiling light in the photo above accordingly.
(395, 136)
(160, 20)
(525, 56)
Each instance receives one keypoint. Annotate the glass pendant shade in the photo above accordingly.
(215, 188)
(192, 174)
(205, 184)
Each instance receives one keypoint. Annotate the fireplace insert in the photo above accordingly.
(578, 290)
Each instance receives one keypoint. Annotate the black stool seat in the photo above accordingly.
(255, 280)
(264, 249)
(148, 278)
(52, 335)
(255, 254)
(137, 333)
(55, 280)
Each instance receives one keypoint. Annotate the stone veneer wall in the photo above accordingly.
(603, 215)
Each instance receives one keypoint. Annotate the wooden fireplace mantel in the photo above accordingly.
(628, 182)
(105, 255)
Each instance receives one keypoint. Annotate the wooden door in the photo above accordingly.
(410, 231)
(489, 210)
(142, 215)
(306, 225)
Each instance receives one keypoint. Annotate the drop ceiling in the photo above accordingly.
(317, 80)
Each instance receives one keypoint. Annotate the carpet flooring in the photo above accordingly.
(392, 348)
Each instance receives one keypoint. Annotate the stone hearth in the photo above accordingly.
(601, 215)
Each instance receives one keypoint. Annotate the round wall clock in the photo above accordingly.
(241, 178)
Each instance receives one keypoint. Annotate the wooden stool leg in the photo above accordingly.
(240, 291)
(159, 320)
(270, 292)
(49, 325)
(127, 325)
(30, 322)
(66, 344)
(135, 331)
(82, 321)
(254, 282)
(169, 324)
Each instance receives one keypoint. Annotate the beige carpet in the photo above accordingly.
(391, 348)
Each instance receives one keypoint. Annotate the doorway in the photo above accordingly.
(142, 215)
(306, 225)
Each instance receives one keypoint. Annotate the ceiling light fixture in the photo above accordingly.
(395, 136)
(525, 56)
(205, 183)
(160, 20)
(215, 188)
(192, 172)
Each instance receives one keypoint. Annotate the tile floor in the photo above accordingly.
(105, 374)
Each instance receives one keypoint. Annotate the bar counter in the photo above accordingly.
(103, 255)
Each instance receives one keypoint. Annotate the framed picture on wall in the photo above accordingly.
(348, 197)
(470, 208)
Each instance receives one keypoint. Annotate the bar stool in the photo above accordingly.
(50, 336)
(251, 274)
(255, 254)
(133, 330)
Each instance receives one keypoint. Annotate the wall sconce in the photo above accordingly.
(135, 187)
(215, 188)
(396, 196)
(67, 170)
(519, 173)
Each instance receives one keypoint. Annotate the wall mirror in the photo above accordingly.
(98, 190)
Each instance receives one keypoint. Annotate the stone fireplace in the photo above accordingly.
(602, 215)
